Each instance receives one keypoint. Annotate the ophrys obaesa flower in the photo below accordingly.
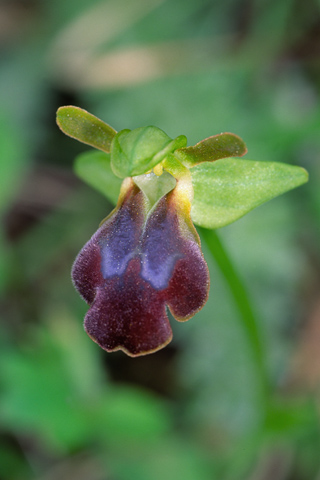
(145, 257)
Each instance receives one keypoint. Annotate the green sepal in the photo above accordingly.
(210, 149)
(94, 168)
(134, 152)
(227, 189)
(84, 127)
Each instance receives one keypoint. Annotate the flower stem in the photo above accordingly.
(242, 301)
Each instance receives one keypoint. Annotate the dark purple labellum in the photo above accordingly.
(136, 264)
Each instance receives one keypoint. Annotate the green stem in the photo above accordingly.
(241, 298)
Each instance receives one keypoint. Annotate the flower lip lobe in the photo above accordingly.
(161, 247)
(119, 241)
(129, 315)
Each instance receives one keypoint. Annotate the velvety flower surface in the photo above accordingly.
(140, 261)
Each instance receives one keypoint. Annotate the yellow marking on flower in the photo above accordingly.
(158, 170)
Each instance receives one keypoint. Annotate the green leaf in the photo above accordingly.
(94, 168)
(212, 148)
(134, 152)
(229, 188)
(81, 125)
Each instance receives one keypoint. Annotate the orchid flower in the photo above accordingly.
(145, 257)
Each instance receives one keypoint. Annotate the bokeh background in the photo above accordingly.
(199, 409)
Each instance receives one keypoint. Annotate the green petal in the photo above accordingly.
(229, 188)
(212, 148)
(94, 168)
(81, 125)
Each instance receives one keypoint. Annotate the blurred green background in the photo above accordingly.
(199, 408)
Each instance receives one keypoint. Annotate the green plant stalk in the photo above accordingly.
(242, 301)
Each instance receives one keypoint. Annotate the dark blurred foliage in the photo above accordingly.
(194, 410)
